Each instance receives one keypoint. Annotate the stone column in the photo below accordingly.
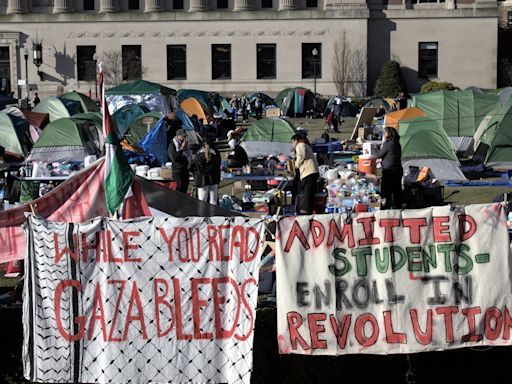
(198, 6)
(17, 6)
(243, 5)
(154, 6)
(287, 5)
(63, 6)
(107, 6)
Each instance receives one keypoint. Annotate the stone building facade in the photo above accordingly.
(246, 45)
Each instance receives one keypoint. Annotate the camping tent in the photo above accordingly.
(377, 101)
(155, 97)
(341, 107)
(425, 143)
(266, 100)
(459, 113)
(191, 106)
(37, 121)
(216, 104)
(14, 134)
(66, 139)
(495, 145)
(141, 126)
(392, 119)
(295, 102)
(267, 137)
(126, 115)
(86, 103)
(58, 107)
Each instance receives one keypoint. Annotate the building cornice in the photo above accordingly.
(130, 17)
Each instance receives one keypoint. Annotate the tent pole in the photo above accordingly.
(272, 134)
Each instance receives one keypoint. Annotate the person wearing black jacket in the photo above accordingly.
(206, 168)
(177, 153)
(390, 155)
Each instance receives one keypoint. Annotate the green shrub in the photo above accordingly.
(390, 81)
(432, 86)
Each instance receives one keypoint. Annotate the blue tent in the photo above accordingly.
(155, 142)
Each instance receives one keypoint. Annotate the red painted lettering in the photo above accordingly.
(414, 226)
(80, 320)
(294, 323)
(315, 329)
(441, 230)
(423, 338)
(127, 246)
(197, 304)
(159, 301)
(341, 334)
(359, 330)
(391, 336)
(296, 232)
(368, 231)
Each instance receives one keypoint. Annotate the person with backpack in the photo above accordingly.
(305, 162)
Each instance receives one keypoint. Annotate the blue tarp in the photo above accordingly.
(187, 123)
(155, 142)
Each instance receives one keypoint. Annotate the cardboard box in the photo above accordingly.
(272, 112)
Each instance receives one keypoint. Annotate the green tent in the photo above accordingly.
(425, 143)
(295, 102)
(126, 115)
(87, 104)
(155, 97)
(495, 144)
(14, 135)
(268, 137)
(140, 87)
(57, 107)
(459, 113)
(141, 126)
(66, 139)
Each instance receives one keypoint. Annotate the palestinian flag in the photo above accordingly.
(117, 175)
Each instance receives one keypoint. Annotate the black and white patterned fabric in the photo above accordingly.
(155, 300)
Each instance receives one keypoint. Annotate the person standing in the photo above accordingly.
(305, 162)
(177, 152)
(390, 156)
(206, 169)
(37, 100)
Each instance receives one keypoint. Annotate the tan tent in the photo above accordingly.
(392, 119)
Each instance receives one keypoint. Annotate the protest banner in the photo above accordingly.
(77, 199)
(394, 281)
(143, 300)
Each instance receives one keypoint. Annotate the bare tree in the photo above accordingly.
(349, 68)
(118, 67)
(359, 68)
(112, 68)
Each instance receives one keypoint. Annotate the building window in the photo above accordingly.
(86, 68)
(311, 3)
(132, 64)
(427, 1)
(221, 61)
(176, 62)
(266, 61)
(267, 4)
(88, 5)
(222, 4)
(509, 20)
(5, 73)
(177, 4)
(427, 60)
(311, 64)
(133, 4)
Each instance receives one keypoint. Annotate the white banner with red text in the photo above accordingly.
(144, 300)
(394, 281)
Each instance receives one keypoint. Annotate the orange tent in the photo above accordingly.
(193, 107)
(392, 119)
